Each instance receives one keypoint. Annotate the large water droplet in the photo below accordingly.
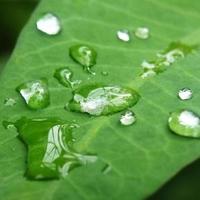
(35, 93)
(163, 60)
(142, 32)
(50, 148)
(64, 76)
(49, 24)
(9, 102)
(84, 55)
(103, 100)
(128, 118)
(185, 94)
(185, 123)
(123, 35)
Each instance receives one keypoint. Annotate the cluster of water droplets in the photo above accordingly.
(140, 32)
(165, 59)
(60, 157)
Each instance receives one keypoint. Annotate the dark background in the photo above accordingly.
(13, 16)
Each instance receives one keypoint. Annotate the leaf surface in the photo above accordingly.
(143, 156)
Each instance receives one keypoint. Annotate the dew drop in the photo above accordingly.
(148, 65)
(185, 123)
(49, 24)
(51, 152)
(104, 73)
(142, 32)
(102, 100)
(123, 35)
(148, 73)
(128, 118)
(84, 55)
(64, 76)
(185, 94)
(8, 125)
(9, 102)
(35, 93)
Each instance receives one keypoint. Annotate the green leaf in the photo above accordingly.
(142, 156)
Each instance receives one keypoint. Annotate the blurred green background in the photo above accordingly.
(13, 16)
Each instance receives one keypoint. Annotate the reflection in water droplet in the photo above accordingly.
(142, 33)
(102, 100)
(49, 24)
(35, 93)
(165, 59)
(50, 148)
(123, 35)
(64, 76)
(185, 123)
(185, 94)
(127, 118)
(9, 102)
(104, 73)
(84, 55)
(106, 169)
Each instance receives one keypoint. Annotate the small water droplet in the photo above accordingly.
(8, 125)
(104, 73)
(148, 73)
(102, 100)
(142, 32)
(9, 102)
(35, 93)
(185, 123)
(148, 65)
(127, 118)
(123, 35)
(64, 76)
(84, 55)
(185, 94)
(106, 169)
(49, 24)
(51, 139)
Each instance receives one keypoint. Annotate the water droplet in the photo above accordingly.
(185, 123)
(9, 102)
(104, 73)
(50, 148)
(127, 118)
(49, 24)
(106, 169)
(103, 100)
(148, 73)
(84, 55)
(8, 125)
(185, 94)
(64, 76)
(123, 35)
(148, 65)
(142, 33)
(165, 59)
(35, 93)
